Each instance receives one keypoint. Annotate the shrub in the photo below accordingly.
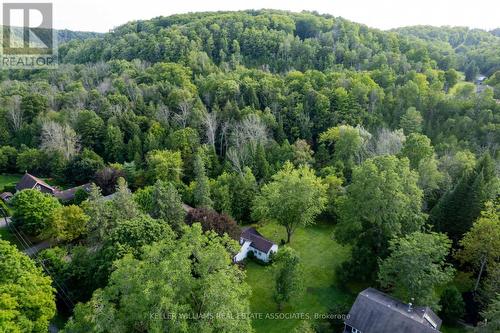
(452, 305)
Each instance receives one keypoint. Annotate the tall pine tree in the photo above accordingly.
(461, 205)
(201, 193)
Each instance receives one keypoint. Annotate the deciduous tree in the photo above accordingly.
(416, 267)
(294, 198)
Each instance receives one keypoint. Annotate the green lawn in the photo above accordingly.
(8, 180)
(320, 255)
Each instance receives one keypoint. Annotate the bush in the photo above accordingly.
(32, 210)
(452, 305)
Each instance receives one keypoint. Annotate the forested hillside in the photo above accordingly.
(258, 117)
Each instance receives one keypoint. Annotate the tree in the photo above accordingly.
(429, 176)
(382, 202)
(211, 220)
(304, 327)
(66, 224)
(451, 77)
(129, 236)
(105, 214)
(417, 147)
(14, 112)
(59, 138)
(348, 144)
(233, 194)
(481, 244)
(416, 267)
(26, 295)
(211, 126)
(261, 165)
(90, 127)
(288, 276)
(172, 279)
(492, 317)
(83, 167)
(294, 198)
(167, 205)
(246, 136)
(386, 142)
(451, 215)
(32, 210)
(201, 193)
(107, 178)
(243, 189)
(32, 160)
(8, 156)
(164, 165)
(113, 143)
(383, 195)
(303, 154)
(452, 305)
(411, 121)
(32, 105)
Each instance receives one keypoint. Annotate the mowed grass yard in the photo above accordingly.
(8, 180)
(320, 255)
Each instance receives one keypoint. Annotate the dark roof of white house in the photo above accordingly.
(375, 312)
(258, 241)
(29, 182)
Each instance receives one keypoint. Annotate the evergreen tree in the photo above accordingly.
(167, 204)
(461, 205)
(261, 165)
(134, 149)
(201, 193)
(113, 143)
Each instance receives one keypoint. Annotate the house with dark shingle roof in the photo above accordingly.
(376, 312)
(70, 193)
(30, 182)
(252, 241)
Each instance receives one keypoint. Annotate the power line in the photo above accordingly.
(25, 242)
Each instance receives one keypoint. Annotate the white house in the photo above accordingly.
(252, 241)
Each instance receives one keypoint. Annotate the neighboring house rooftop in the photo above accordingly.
(29, 182)
(258, 241)
(6, 196)
(69, 194)
(374, 311)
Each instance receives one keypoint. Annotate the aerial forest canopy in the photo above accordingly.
(391, 136)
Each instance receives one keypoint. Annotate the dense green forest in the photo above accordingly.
(253, 117)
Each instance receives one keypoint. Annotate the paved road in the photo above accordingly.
(37, 248)
(33, 249)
